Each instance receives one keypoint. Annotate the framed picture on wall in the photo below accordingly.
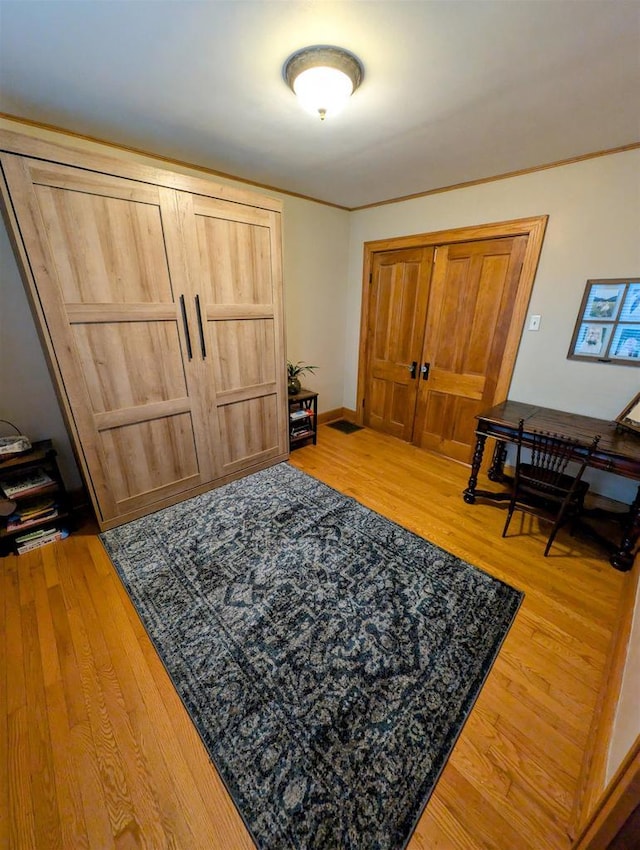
(630, 416)
(607, 329)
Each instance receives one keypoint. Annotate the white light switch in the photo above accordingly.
(534, 323)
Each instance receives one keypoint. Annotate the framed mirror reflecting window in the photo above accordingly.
(608, 325)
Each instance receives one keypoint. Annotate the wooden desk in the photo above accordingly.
(618, 452)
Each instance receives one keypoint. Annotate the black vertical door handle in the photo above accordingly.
(412, 369)
(200, 329)
(425, 371)
(187, 335)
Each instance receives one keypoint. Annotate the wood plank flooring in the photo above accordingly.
(98, 752)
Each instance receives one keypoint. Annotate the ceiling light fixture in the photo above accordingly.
(323, 77)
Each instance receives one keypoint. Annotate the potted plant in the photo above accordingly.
(294, 370)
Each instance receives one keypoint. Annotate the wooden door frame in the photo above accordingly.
(592, 793)
(615, 806)
(533, 228)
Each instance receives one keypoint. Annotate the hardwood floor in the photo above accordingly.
(97, 750)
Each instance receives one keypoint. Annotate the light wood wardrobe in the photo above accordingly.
(158, 298)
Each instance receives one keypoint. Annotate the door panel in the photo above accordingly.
(107, 250)
(151, 467)
(398, 299)
(111, 353)
(235, 257)
(249, 431)
(442, 381)
(244, 353)
(240, 324)
(472, 298)
(451, 419)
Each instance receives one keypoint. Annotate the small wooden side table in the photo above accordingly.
(303, 418)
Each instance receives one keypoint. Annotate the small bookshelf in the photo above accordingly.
(303, 418)
(42, 512)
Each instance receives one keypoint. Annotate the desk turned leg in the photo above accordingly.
(623, 558)
(496, 470)
(469, 494)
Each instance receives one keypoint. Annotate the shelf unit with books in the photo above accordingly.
(303, 417)
(42, 511)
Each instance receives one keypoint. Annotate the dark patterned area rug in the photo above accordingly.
(327, 656)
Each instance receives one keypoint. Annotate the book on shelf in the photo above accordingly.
(303, 432)
(300, 414)
(34, 535)
(14, 523)
(33, 507)
(21, 485)
(40, 538)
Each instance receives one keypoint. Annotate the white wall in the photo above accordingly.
(593, 232)
(27, 397)
(315, 261)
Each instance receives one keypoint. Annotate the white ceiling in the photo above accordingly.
(453, 90)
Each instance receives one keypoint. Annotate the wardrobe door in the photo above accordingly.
(110, 297)
(238, 304)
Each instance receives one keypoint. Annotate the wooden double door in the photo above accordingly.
(159, 302)
(441, 325)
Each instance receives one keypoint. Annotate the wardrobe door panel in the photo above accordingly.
(113, 316)
(238, 283)
(245, 353)
(235, 253)
(130, 364)
(150, 459)
(108, 250)
(249, 431)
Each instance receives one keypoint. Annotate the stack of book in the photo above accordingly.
(32, 511)
(40, 537)
(26, 483)
(301, 423)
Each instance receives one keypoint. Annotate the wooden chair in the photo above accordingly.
(542, 486)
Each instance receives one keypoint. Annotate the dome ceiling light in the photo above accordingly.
(323, 78)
